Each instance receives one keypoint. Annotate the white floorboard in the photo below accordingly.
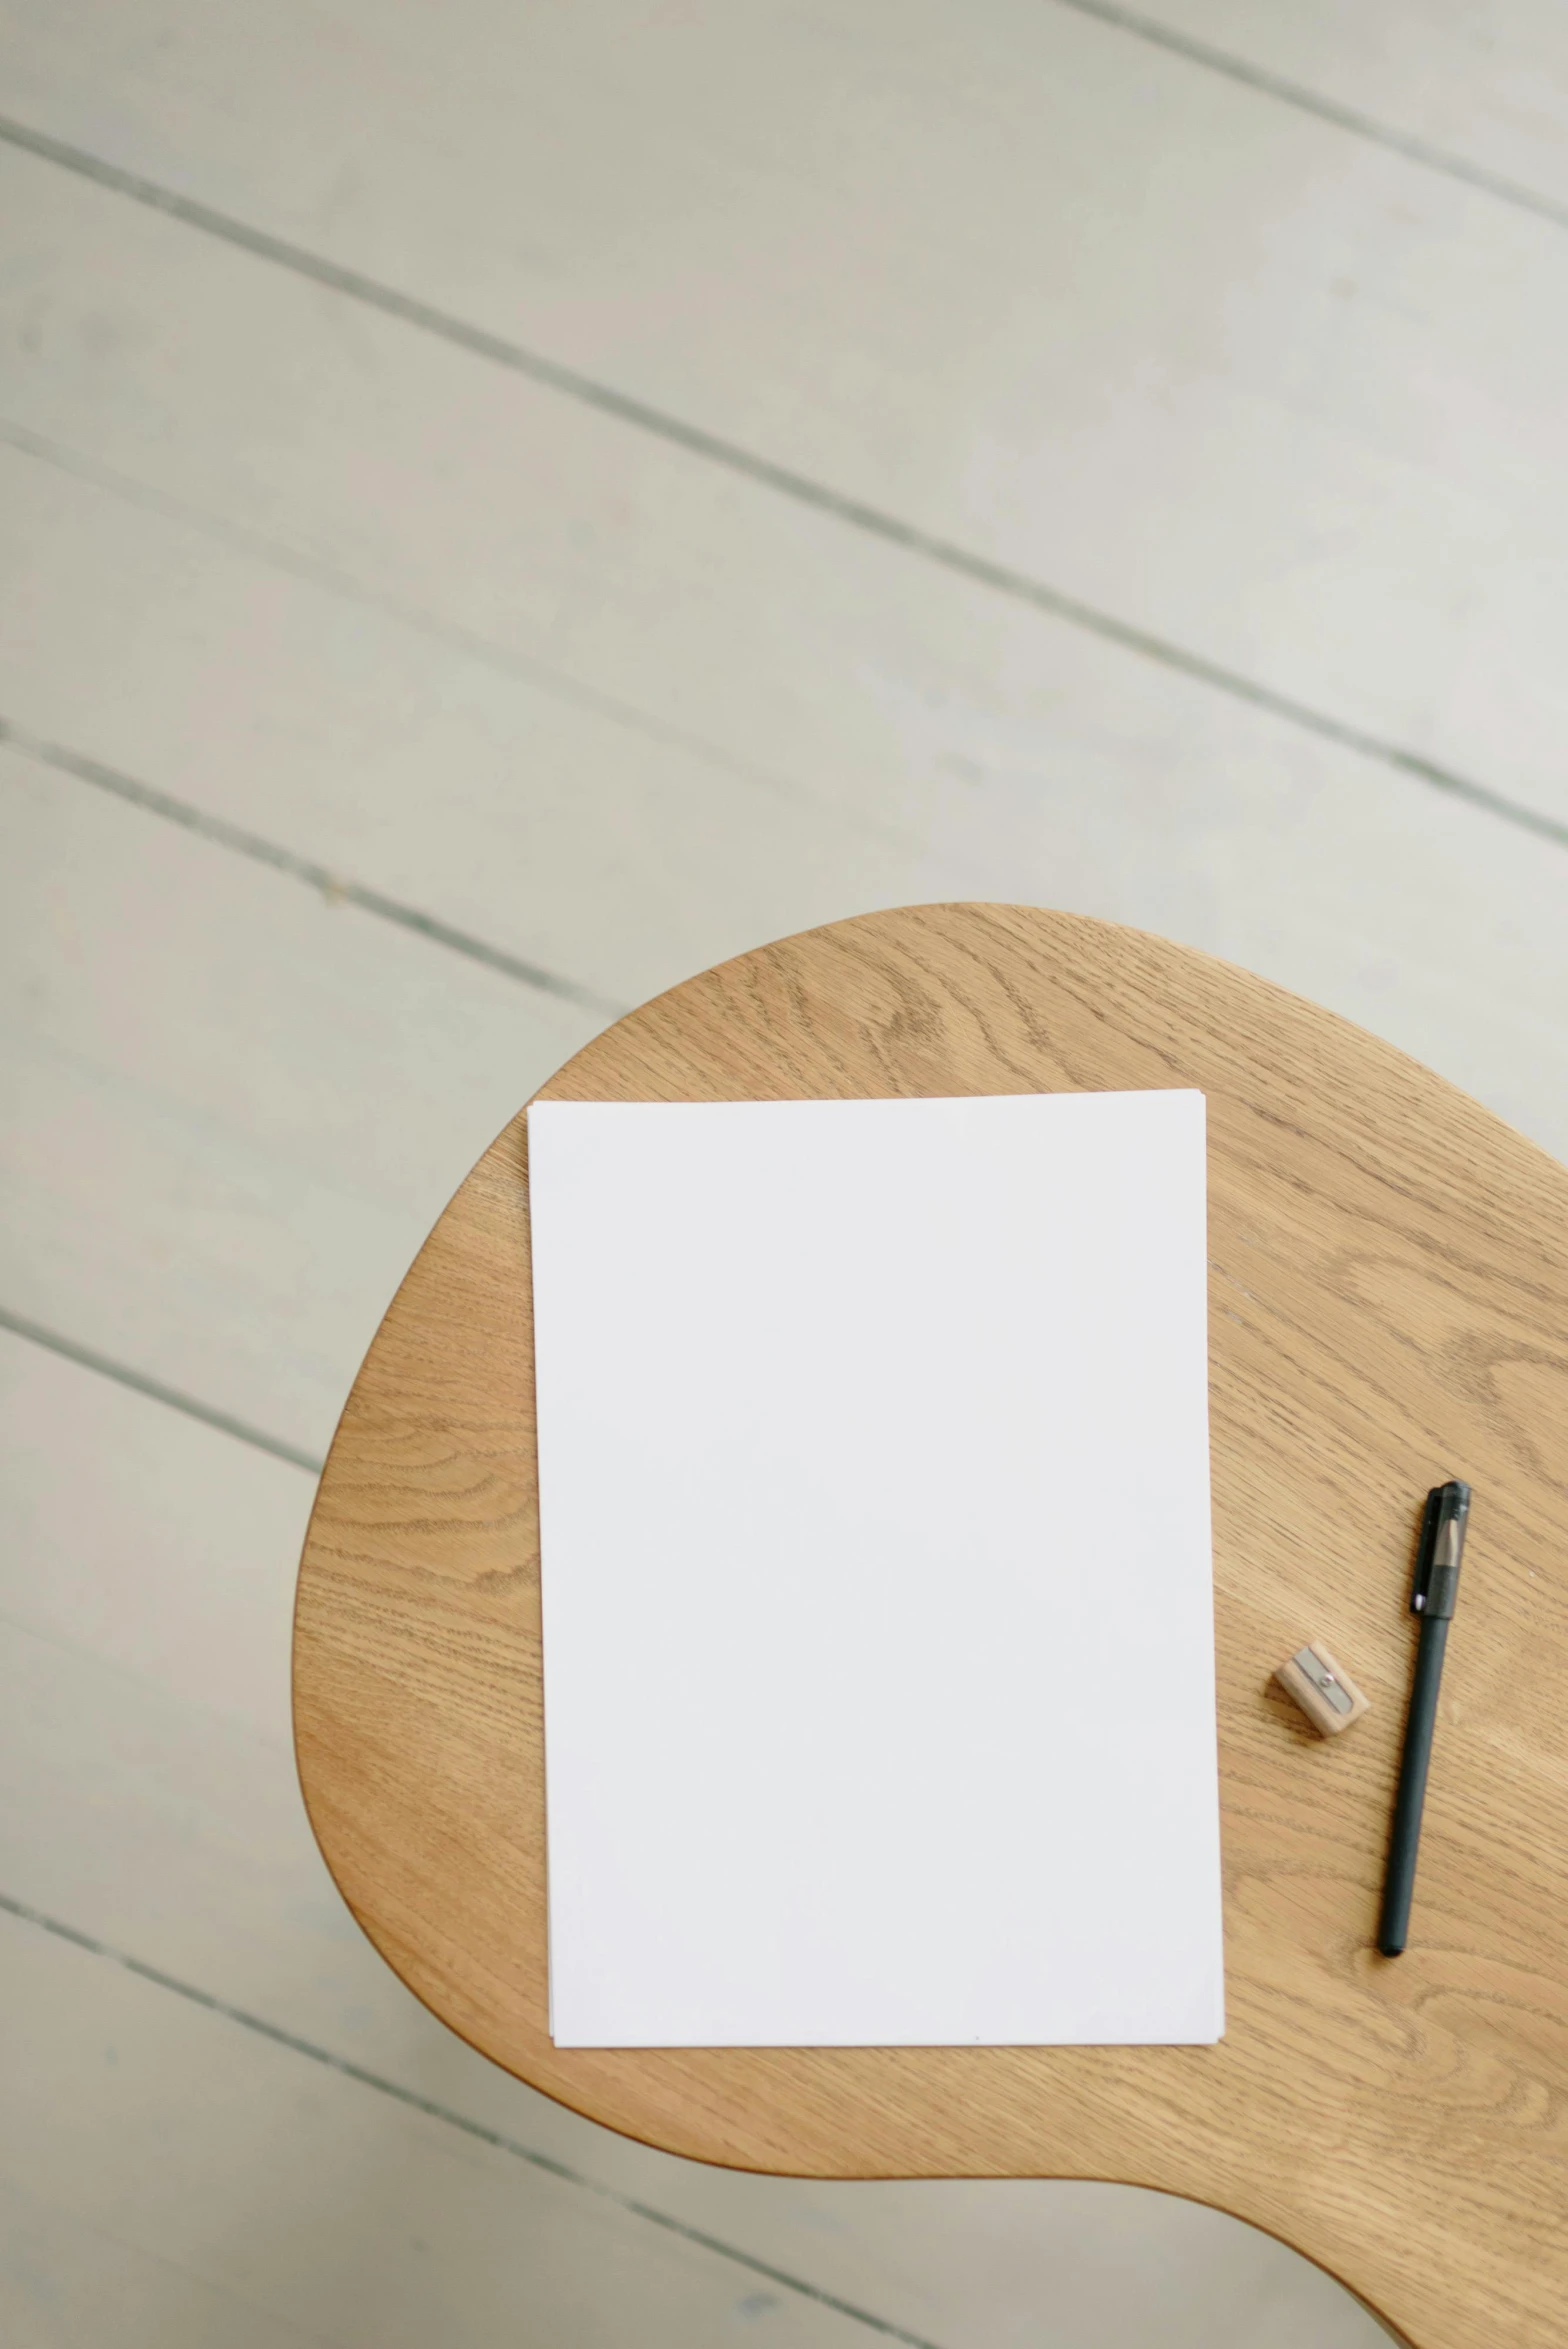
(170, 1564)
(1272, 392)
(67, 2285)
(1485, 81)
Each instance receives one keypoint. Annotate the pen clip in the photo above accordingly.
(1424, 1550)
(1440, 1549)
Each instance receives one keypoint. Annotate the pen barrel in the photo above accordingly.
(1405, 1836)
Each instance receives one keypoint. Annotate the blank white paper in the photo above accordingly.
(878, 1608)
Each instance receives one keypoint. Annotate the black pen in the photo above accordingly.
(1433, 1599)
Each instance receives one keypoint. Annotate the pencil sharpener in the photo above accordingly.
(1329, 1697)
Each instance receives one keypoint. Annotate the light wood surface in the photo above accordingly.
(1389, 1306)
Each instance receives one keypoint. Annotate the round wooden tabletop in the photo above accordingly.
(1388, 1307)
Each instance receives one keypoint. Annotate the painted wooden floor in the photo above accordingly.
(501, 506)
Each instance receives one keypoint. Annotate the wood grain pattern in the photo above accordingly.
(1389, 1306)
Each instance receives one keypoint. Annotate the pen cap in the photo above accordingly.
(1441, 1549)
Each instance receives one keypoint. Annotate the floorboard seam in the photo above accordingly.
(336, 887)
(139, 1383)
(1226, 63)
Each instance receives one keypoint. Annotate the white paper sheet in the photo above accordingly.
(878, 1640)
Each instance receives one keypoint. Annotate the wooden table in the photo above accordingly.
(1389, 1306)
